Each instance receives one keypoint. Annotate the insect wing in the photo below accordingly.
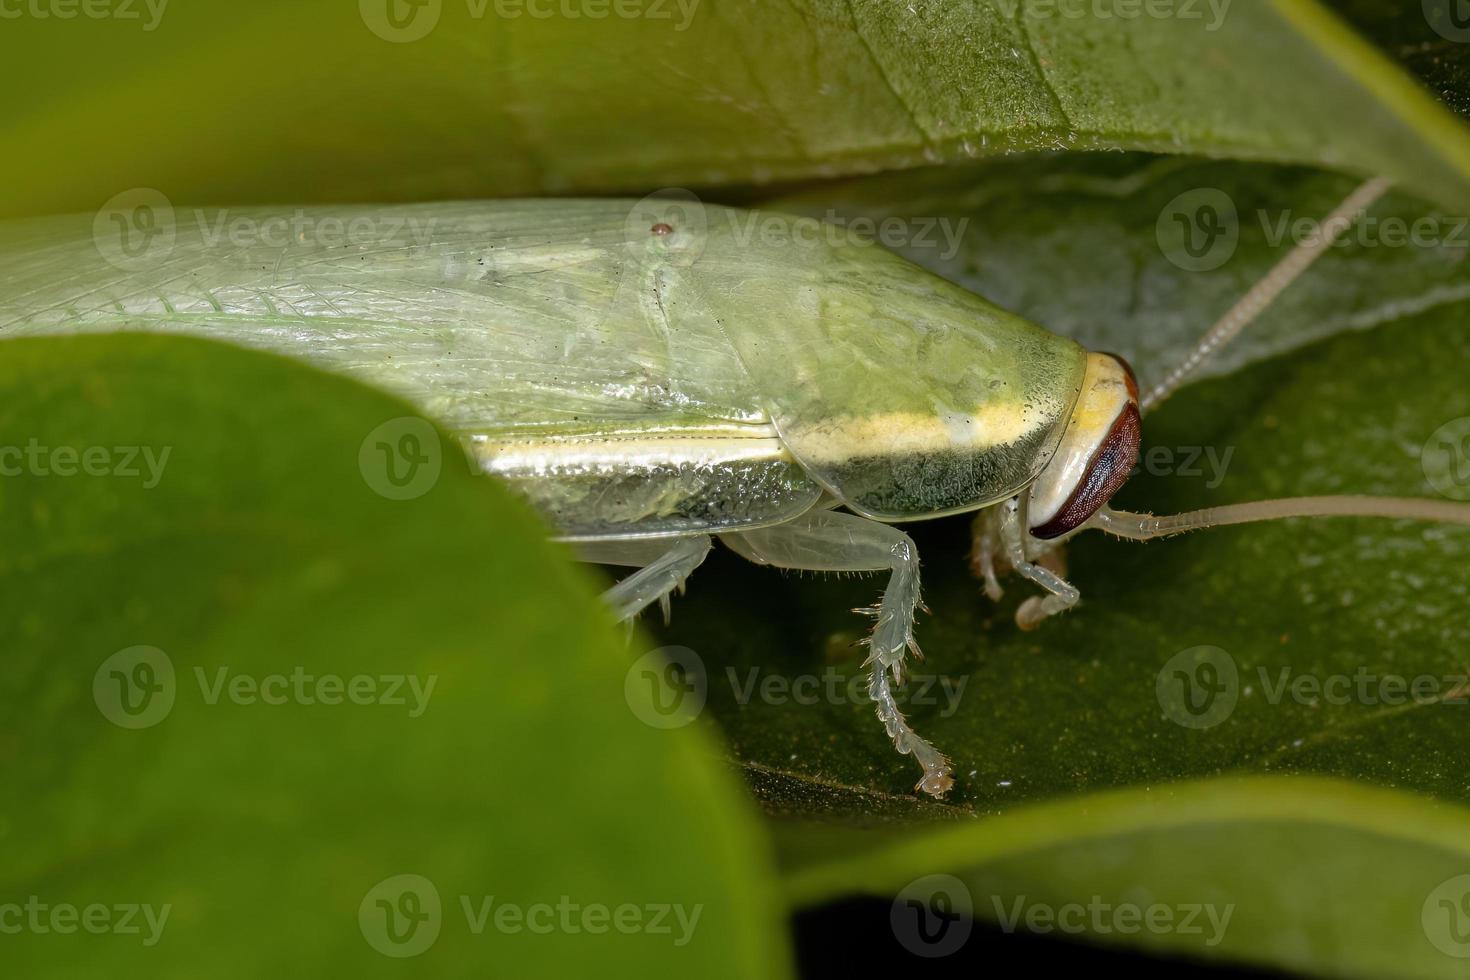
(904, 395)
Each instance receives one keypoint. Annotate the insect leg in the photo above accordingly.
(1064, 595)
(985, 557)
(664, 567)
(832, 542)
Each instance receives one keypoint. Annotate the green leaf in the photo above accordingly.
(487, 98)
(262, 815)
(1313, 875)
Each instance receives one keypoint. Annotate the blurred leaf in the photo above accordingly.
(384, 100)
(1311, 875)
(264, 818)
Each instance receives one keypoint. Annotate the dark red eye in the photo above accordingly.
(1108, 471)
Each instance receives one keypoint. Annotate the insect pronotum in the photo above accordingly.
(650, 378)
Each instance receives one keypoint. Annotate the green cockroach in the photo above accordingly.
(651, 376)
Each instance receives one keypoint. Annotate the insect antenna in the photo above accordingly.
(1143, 527)
(1263, 293)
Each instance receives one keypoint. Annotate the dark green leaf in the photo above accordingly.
(227, 103)
(264, 818)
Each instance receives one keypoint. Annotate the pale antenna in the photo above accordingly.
(1142, 527)
(1264, 292)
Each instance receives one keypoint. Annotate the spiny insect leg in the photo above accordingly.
(827, 541)
(664, 567)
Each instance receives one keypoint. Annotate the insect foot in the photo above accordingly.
(1030, 614)
(936, 780)
(892, 638)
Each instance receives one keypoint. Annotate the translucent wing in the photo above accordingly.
(532, 329)
(491, 316)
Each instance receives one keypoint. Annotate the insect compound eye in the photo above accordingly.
(1104, 476)
(1096, 454)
